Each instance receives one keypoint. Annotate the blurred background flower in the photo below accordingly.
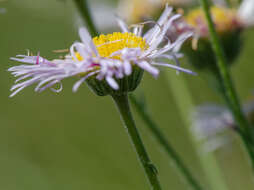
(213, 124)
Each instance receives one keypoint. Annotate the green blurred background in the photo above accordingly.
(76, 141)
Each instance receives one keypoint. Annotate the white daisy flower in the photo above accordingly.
(111, 63)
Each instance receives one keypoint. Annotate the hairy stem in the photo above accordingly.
(122, 103)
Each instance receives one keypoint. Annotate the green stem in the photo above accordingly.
(228, 2)
(83, 8)
(122, 104)
(239, 2)
(249, 150)
(157, 133)
(226, 81)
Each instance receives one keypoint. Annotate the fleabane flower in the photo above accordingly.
(139, 10)
(211, 124)
(112, 63)
(198, 50)
(225, 20)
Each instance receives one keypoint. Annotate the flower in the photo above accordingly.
(139, 10)
(225, 20)
(210, 119)
(106, 61)
(210, 123)
(229, 25)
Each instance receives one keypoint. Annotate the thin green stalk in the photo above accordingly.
(122, 103)
(227, 84)
(239, 2)
(84, 11)
(228, 2)
(158, 134)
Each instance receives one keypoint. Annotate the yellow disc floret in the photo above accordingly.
(110, 43)
(224, 18)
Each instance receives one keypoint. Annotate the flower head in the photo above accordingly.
(225, 20)
(111, 63)
(228, 25)
(211, 124)
(139, 10)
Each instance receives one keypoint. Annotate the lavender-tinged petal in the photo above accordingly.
(73, 53)
(156, 40)
(175, 67)
(164, 16)
(131, 53)
(123, 26)
(79, 82)
(155, 53)
(46, 80)
(28, 59)
(25, 83)
(21, 69)
(81, 49)
(180, 40)
(119, 72)
(175, 47)
(112, 83)
(118, 52)
(57, 90)
(170, 56)
(87, 40)
(127, 67)
(151, 35)
(47, 85)
(146, 66)
(17, 91)
(23, 77)
(137, 30)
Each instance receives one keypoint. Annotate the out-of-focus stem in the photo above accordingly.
(183, 98)
(84, 11)
(228, 2)
(159, 136)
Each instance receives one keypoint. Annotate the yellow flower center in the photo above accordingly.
(110, 43)
(223, 18)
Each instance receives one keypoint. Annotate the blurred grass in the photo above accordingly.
(76, 141)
